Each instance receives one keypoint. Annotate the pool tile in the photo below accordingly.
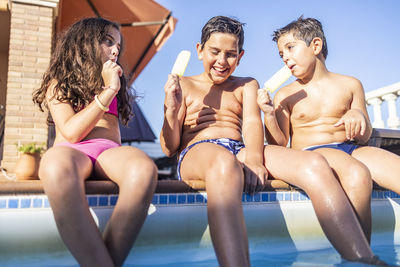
(25, 203)
(249, 198)
(46, 203)
(163, 199)
(37, 203)
(190, 199)
(154, 200)
(280, 196)
(264, 197)
(182, 199)
(41, 201)
(199, 198)
(303, 196)
(3, 203)
(113, 200)
(171, 199)
(92, 200)
(103, 201)
(13, 203)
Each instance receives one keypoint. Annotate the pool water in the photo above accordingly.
(292, 238)
(204, 257)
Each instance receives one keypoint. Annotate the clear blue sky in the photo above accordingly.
(363, 41)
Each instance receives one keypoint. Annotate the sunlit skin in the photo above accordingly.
(84, 125)
(320, 105)
(323, 107)
(63, 180)
(215, 104)
(317, 106)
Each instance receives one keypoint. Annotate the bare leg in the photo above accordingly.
(63, 171)
(310, 171)
(136, 175)
(383, 165)
(356, 181)
(224, 178)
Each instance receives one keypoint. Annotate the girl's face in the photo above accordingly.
(295, 53)
(111, 45)
(220, 56)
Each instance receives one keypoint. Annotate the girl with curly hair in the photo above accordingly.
(86, 93)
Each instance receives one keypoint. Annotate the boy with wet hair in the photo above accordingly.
(325, 112)
(223, 24)
(212, 122)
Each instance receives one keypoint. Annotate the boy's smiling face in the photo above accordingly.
(220, 56)
(295, 53)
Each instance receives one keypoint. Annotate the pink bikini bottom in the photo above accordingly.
(92, 147)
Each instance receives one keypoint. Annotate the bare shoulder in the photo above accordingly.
(244, 82)
(188, 81)
(287, 91)
(51, 91)
(346, 81)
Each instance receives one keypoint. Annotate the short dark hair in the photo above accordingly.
(305, 30)
(224, 25)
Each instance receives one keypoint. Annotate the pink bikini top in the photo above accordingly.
(113, 108)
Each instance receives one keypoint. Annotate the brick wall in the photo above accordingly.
(29, 55)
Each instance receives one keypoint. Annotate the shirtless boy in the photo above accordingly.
(213, 121)
(325, 112)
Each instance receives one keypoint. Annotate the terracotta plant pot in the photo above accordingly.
(27, 166)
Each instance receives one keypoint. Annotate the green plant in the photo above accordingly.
(31, 148)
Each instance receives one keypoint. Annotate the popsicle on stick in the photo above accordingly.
(181, 63)
(278, 79)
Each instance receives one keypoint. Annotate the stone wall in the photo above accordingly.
(31, 34)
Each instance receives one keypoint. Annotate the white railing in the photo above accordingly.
(375, 99)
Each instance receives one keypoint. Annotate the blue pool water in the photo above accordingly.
(282, 230)
(169, 257)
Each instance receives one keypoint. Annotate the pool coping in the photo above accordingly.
(94, 187)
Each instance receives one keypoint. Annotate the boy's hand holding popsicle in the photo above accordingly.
(181, 63)
(173, 92)
(263, 98)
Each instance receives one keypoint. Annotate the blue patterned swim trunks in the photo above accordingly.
(347, 147)
(233, 146)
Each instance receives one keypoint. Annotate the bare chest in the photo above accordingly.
(218, 101)
(217, 106)
(320, 105)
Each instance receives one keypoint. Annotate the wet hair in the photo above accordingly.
(76, 66)
(223, 24)
(305, 30)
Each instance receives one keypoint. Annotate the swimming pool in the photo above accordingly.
(282, 230)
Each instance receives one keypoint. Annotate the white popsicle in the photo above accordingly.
(181, 63)
(278, 79)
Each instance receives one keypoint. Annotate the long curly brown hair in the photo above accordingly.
(76, 65)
